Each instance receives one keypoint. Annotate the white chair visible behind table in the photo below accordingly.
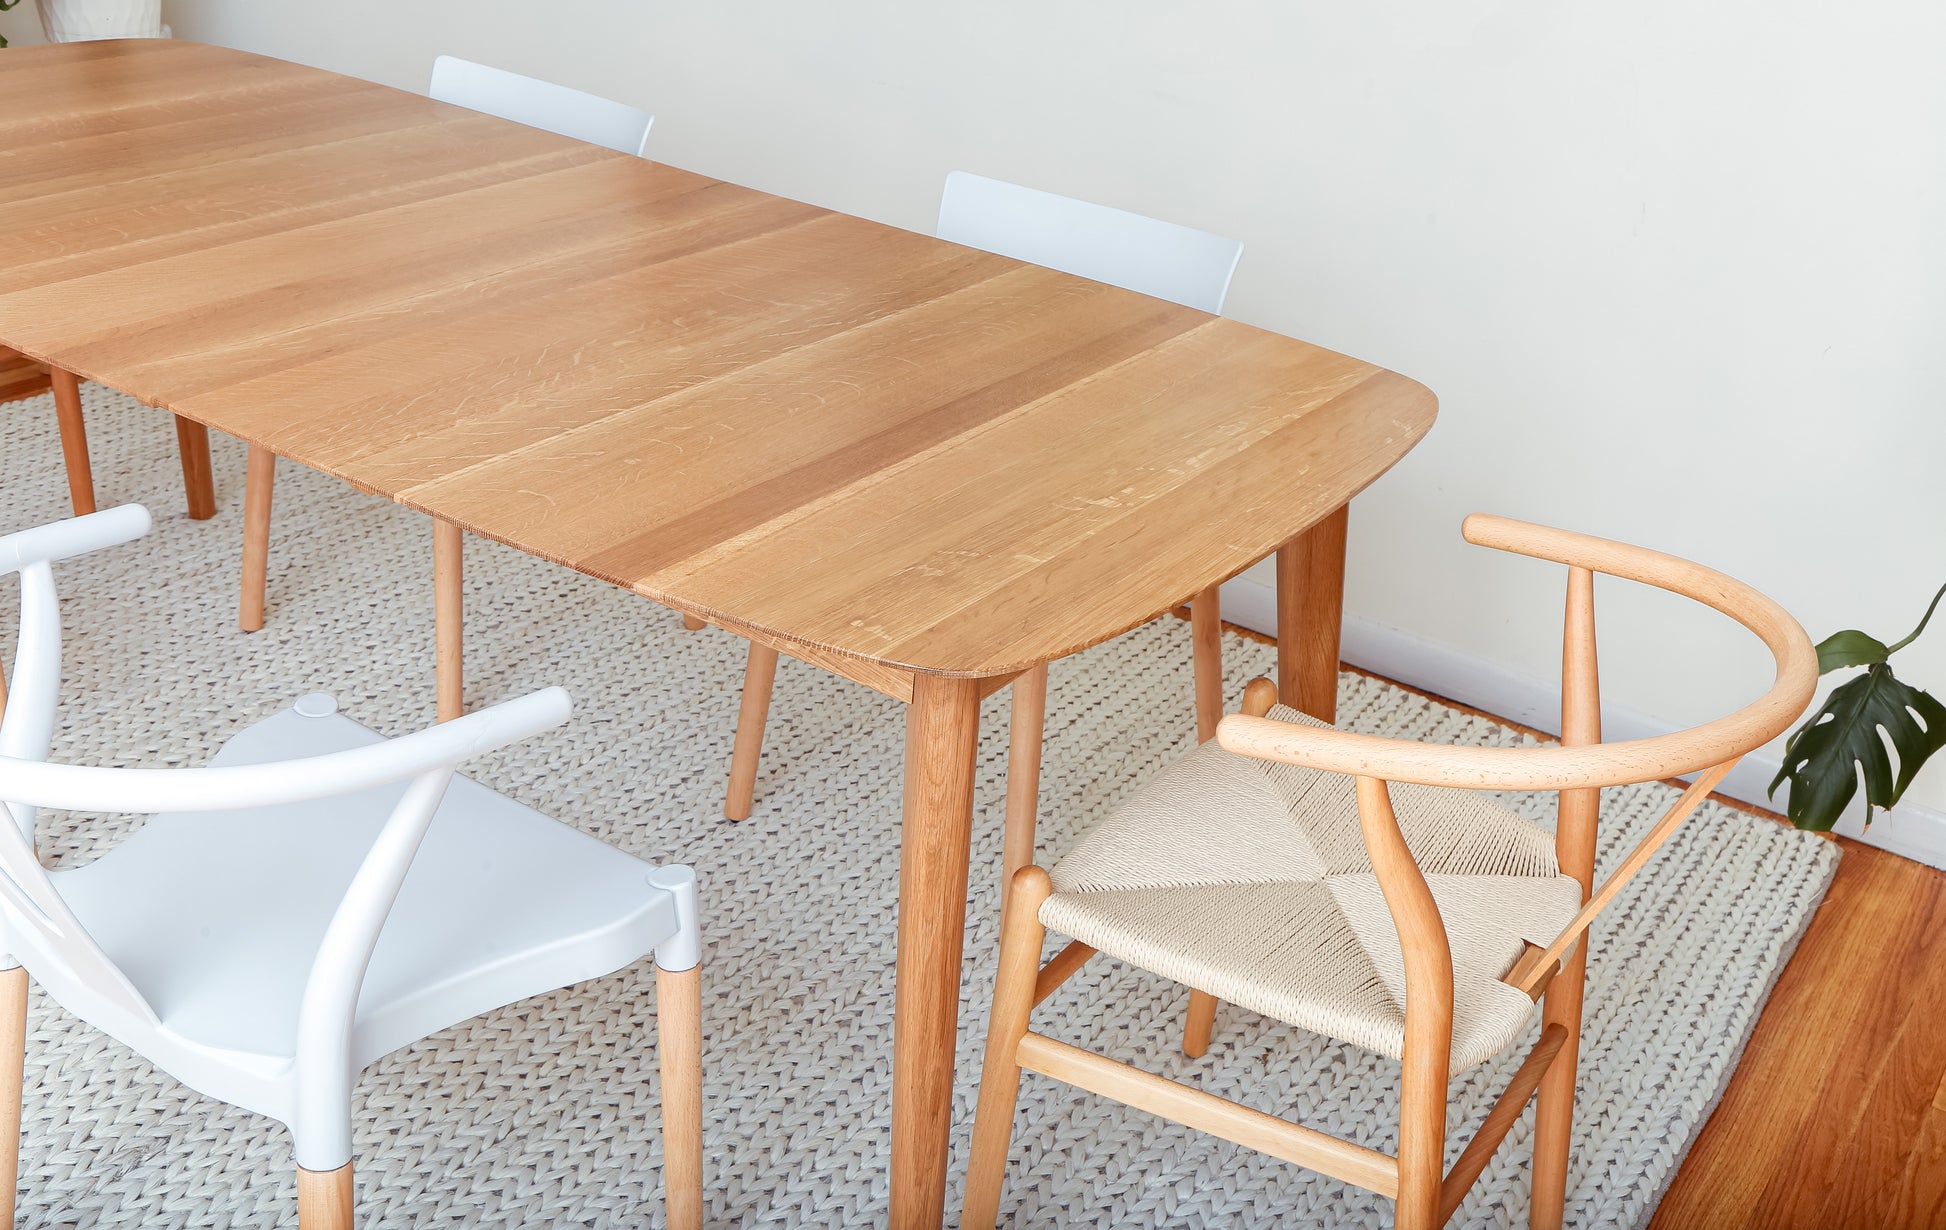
(523, 100)
(1146, 255)
(316, 898)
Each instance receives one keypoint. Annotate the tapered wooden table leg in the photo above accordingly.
(74, 440)
(198, 484)
(260, 479)
(448, 616)
(1310, 616)
(941, 728)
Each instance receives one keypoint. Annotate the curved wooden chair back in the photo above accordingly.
(1427, 1193)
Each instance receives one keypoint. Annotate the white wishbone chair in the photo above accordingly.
(523, 100)
(1146, 255)
(316, 898)
(1312, 875)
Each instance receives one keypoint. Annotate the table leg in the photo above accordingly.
(260, 479)
(1310, 616)
(941, 728)
(448, 615)
(198, 484)
(74, 440)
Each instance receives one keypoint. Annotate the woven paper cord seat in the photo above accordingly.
(1248, 879)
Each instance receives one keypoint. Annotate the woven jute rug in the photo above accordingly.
(545, 1113)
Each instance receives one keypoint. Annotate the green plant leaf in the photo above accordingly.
(1850, 648)
(1823, 758)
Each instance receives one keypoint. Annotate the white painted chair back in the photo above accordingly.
(1146, 255)
(541, 104)
(39, 929)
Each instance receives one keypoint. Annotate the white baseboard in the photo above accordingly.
(1915, 832)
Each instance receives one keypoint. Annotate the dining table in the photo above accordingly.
(923, 467)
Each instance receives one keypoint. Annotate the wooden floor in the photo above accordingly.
(1837, 1115)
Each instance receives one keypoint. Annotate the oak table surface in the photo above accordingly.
(907, 461)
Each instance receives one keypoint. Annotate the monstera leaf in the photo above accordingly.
(1823, 759)
(4, 6)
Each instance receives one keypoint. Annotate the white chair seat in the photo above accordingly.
(1248, 879)
(216, 917)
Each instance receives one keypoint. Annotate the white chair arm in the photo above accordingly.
(75, 536)
(88, 788)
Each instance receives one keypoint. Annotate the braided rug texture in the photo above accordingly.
(545, 1113)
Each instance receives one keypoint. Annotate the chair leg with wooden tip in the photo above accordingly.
(1013, 1001)
(693, 624)
(13, 1063)
(260, 477)
(759, 676)
(1206, 640)
(679, 1032)
(1026, 729)
(324, 1199)
(74, 440)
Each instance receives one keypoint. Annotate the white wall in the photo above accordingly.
(1675, 270)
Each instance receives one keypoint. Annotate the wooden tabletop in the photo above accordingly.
(859, 439)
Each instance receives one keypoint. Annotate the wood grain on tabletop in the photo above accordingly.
(783, 418)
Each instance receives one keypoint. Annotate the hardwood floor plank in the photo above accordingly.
(1788, 1122)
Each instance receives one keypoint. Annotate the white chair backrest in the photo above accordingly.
(37, 922)
(541, 104)
(1152, 257)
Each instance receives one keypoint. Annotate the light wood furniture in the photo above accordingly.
(1151, 886)
(522, 100)
(1163, 259)
(22, 377)
(921, 467)
(313, 900)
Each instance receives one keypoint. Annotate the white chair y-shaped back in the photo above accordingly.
(316, 898)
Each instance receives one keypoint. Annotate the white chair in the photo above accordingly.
(317, 897)
(524, 100)
(541, 104)
(1145, 255)
(1355, 886)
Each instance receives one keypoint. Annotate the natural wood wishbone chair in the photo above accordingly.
(1240, 871)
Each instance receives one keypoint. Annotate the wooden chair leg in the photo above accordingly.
(1206, 636)
(1028, 724)
(449, 616)
(693, 624)
(260, 476)
(74, 440)
(1554, 1108)
(13, 1062)
(759, 676)
(1197, 1025)
(324, 1199)
(1013, 1000)
(198, 484)
(679, 1034)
